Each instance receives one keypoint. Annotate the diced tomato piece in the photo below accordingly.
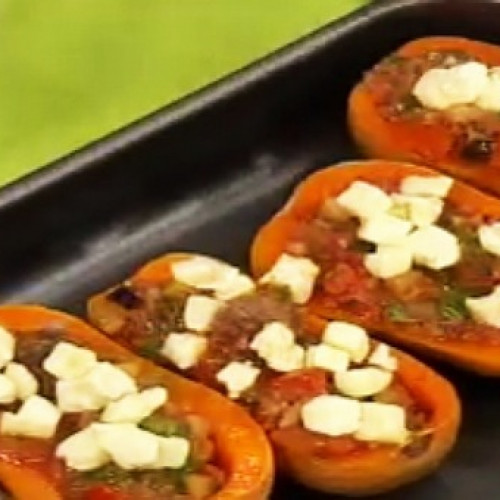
(300, 385)
(103, 492)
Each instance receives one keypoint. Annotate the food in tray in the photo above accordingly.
(434, 101)
(402, 250)
(83, 418)
(345, 414)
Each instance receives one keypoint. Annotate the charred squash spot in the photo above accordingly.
(478, 150)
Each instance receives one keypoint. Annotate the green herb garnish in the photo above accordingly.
(164, 426)
(396, 312)
(452, 305)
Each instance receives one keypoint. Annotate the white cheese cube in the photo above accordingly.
(7, 390)
(434, 247)
(331, 415)
(203, 272)
(363, 382)
(273, 338)
(24, 381)
(327, 357)
(298, 274)
(7, 346)
(184, 350)
(389, 261)
(383, 423)
(384, 229)
(173, 453)
(134, 408)
(486, 309)
(442, 88)
(235, 287)
(110, 381)
(237, 377)
(199, 312)
(67, 361)
(78, 395)
(37, 418)
(419, 210)
(348, 337)
(287, 360)
(382, 357)
(436, 186)
(364, 200)
(81, 451)
(489, 99)
(489, 237)
(128, 446)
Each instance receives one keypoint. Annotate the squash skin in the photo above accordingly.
(242, 447)
(418, 142)
(305, 203)
(367, 473)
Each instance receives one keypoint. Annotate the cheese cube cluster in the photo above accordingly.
(402, 225)
(84, 383)
(463, 84)
(204, 273)
(297, 274)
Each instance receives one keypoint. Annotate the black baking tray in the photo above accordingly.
(203, 174)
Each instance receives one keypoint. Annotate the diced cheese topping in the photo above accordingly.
(184, 349)
(489, 237)
(442, 88)
(199, 312)
(331, 415)
(133, 408)
(128, 446)
(7, 390)
(389, 260)
(110, 382)
(384, 229)
(434, 247)
(348, 337)
(420, 210)
(382, 357)
(37, 418)
(67, 361)
(298, 274)
(274, 337)
(489, 99)
(364, 200)
(24, 381)
(82, 451)
(362, 382)
(486, 309)
(436, 186)
(327, 357)
(7, 346)
(275, 344)
(287, 360)
(238, 377)
(203, 272)
(384, 423)
(238, 285)
(173, 452)
(78, 395)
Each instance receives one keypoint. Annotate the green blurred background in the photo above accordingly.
(73, 70)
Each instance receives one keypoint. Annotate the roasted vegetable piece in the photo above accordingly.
(432, 289)
(435, 101)
(228, 456)
(290, 371)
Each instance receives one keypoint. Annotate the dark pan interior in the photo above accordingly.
(202, 176)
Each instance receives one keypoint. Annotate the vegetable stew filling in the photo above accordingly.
(450, 88)
(94, 429)
(329, 391)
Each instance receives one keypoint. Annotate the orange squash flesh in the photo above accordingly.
(305, 204)
(425, 142)
(372, 470)
(241, 445)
